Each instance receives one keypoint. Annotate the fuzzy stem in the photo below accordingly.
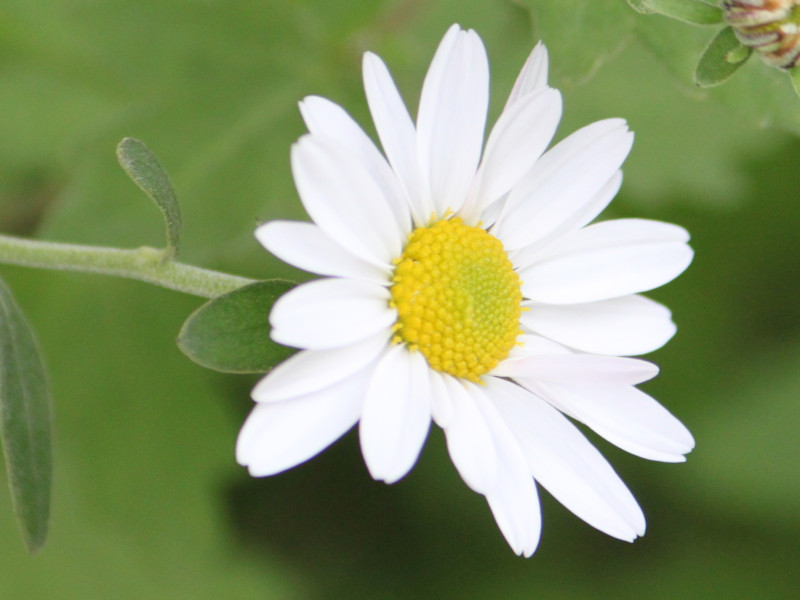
(145, 264)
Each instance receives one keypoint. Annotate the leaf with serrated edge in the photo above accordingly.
(25, 422)
(231, 332)
(143, 168)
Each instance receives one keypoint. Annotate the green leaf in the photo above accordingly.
(694, 12)
(721, 59)
(144, 169)
(231, 332)
(602, 26)
(641, 6)
(794, 75)
(25, 422)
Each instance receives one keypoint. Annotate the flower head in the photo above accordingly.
(770, 27)
(464, 284)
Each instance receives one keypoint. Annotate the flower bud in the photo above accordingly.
(770, 27)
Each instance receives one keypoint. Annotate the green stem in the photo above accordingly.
(145, 264)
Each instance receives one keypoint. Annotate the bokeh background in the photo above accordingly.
(148, 501)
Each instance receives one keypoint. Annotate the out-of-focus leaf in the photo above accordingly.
(795, 76)
(231, 332)
(722, 58)
(583, 35)
(641, 7)
(144, 454)
(143, 168)
(760, 96)
(695, 12)
(25, 422)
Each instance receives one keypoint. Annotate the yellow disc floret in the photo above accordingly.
(457, 298)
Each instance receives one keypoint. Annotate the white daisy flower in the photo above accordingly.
(464, 284)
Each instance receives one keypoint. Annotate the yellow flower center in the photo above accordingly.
(457, 298)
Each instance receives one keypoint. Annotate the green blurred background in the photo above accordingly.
(148, 500)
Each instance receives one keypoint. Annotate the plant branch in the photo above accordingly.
(145, 264)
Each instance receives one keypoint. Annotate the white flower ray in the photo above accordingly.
(396, 414)
(563, 180)
(280, 435)
(583, 215)
(567, 464)
(344, 200)
(521, 134)
(532, 76)
(397, 133)
(625, 326)
(579, 368)
(327, 119)
(513, 499)
(608, 260)
(624, 415)
(452, 117)
(307, 247)
(331, 313)
(469, 439)
(312, 370)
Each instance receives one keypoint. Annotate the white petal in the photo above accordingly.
(626, 417)
(396, 415)
(312, 370)
(307, 247)
(331, 313)
(533, 75)
(513, 499)
(536, 345)
(562, 182)
(490, 215)
(469, 440)
(566, 464)
(529, 254)
(280, 435)
(329, 120)
(607, 260)
(397, 133)
(452, 117)
(517, 140)
(342, 198)
(628, 231)
(441, 405)
(579, 368)
(620, 326)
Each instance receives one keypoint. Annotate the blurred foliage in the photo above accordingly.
(25, 422)
(149, 502)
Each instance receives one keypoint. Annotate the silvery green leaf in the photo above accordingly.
(25, 422)
(231, 332)
(143, 168)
